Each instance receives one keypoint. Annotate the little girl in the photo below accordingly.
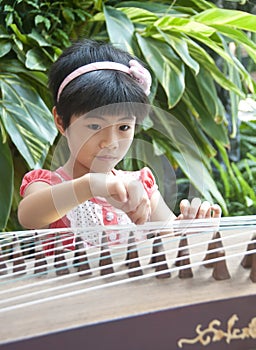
(100, 94)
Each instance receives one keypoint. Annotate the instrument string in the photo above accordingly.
(176, 225)
(93, 256)
(152, 265)
(153, 228)
(110, 284)
(99, 268)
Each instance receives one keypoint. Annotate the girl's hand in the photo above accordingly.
(127, 195)
(198, 210)
(138, 206)
(112, 188)
(142, 75)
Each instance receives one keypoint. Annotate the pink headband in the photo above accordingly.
(90, 68)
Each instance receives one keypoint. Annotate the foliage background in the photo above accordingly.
(198, 76)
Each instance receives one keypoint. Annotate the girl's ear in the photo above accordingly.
(58, 121)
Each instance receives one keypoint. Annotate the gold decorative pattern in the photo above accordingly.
(214, 334)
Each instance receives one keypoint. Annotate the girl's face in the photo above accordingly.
(97, 143)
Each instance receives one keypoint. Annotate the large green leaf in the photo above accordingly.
(211, 115)
(208, 94)
(6, 183)
(27, 120)
(166, 65)
(234, 19)
(180, 46)
(120, 28)
(184, 25)
(139, 15)
(206, 61)
(183, 112)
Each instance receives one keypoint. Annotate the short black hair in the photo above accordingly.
(98, 88)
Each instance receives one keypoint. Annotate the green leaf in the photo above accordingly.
(184, 114)
(5, 47)
(6, 183)
(14, 66)
(139, 15)
(245, 187)
(27, 120)
(206, 61)
(184, 25)
(201, 4)
(39, 39)
(234, 19)
(234, 101)
(166, 65)
(120, 28)
(180, 46)
(158, 148)
(208, 93)
(21, 37)
(36, 60)
(41, 19)
(68, 15)
(239, 37)
(154, 8)
(9, 19)
(207, 107)
(19, 44)
(214, 45)
(224, 177)
(98, 4)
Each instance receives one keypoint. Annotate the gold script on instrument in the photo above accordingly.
(213, 333)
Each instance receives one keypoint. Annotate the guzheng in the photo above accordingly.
(186, 285)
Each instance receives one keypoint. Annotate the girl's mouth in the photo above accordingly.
(107, 158)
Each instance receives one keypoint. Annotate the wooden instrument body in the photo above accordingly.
(141, 312)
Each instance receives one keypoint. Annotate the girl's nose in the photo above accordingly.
(109, 140)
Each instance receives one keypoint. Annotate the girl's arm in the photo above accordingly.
(43, 204)
(159, 209)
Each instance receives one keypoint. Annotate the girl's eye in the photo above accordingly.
(94, 126)
(124, 127)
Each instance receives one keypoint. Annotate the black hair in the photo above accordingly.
(98, 88)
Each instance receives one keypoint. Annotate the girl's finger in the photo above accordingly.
(141, 214)
(184, 207)
(194, 208)
(216, 211)
(136, 194)
(204, 210)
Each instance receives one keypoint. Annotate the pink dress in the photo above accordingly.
(93, 212)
